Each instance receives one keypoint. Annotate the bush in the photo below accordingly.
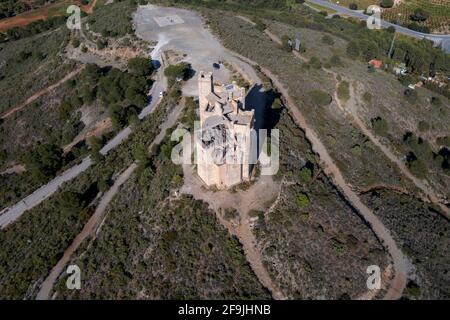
(343, 90)
(44, 161)
(335, 61)
(423, 126)
(302, 200)
(387, 3)
(101, 44)
(416, 27)
(180, 70)
(320, 98)
(410, 95)
(419, 15)
(76, 43)
(367, 97)
(140, 66)
(443, 141)
(380, 126)
(64, 110)
(353, 50)
(436, 101)
(305, 174)
(353, 6)
(390, 29)
(315, 63)
(327, 40)
(285, 43)
(418, 168)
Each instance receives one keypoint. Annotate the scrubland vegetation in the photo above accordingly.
(359, 160)
(156, 244)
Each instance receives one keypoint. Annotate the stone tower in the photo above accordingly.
(224, 140)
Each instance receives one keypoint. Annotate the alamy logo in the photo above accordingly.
(74, 20)
(374, 21)
(374, 280)
(74, 280)
(218, 146)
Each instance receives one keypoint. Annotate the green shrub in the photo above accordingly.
(443, 141)
(367, 97)
(315, 63)
(380, 126)
(436, 101)
(343, 90)
(285, 43)
(423, 126)
(335, 61)
(305, 174)
(140, 66)
(180, 70)
(327, 40)
(302, 200)
(320, 98)
(410, 95)
(353, 50)
(387, 3)
(76, 42)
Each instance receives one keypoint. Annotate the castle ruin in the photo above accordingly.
(224, 139)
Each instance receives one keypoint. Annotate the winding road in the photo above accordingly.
(11, 214)
(438, 39)
(401, 264)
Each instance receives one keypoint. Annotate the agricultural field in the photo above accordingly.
(27, 12)
(438, 20)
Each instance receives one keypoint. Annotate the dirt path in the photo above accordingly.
(87, 231)
(42, 13)
(257, 197)
(427, 190)
(18, 168)
(42, 92)
(401, 264)
(94, 224)
(101, 127)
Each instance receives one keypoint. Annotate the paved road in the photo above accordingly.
(94, 223)
(88, 230)
(444, 40)
(11, 214)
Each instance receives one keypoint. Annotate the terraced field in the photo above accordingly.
(438, 10)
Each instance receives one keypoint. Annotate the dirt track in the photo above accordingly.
(88, 230)
(42, 13)
(42, 92)
(401, 264)
(255, 197)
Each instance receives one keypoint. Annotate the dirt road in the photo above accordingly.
(42, 92)
(256, 197)
(427, 190)
(96, 220)
(87, 231)
(43, 13)
(11, 214)
(100, 128)
(401, 264)
(18, 168)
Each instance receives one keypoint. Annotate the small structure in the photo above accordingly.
(297, 45)
(376, 63)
